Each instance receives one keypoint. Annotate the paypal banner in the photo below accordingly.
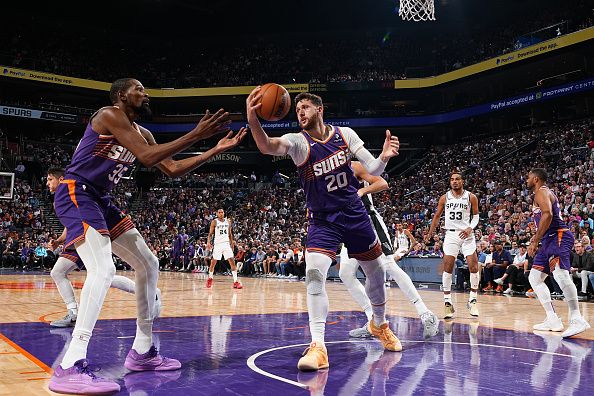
(532, 97)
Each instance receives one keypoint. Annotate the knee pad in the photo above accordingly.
(314, 281)
(536, 278)
(562, 277)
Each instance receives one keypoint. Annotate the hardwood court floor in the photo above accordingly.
(265, 314)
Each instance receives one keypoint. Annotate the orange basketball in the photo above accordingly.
(276, 102)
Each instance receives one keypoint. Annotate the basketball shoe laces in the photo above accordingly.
(90, 371)
(387, 334)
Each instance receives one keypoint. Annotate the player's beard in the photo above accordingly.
(311, 122)
(144, 111)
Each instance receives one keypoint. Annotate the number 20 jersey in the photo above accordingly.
(326, 175)
(457, 211)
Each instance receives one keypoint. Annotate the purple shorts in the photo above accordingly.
(350, 225)
(73, 256)
(555, 250)
(79, 206)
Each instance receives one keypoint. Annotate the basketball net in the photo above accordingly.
(417, 10)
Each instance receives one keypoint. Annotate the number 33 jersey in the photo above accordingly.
(325, 168)
(457, 211)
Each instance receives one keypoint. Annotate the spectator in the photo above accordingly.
(582, 266)
(517, 273)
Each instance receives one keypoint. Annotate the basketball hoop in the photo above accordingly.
(417, 10)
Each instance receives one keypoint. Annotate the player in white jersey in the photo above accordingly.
(348, 267)
(403, 241)
(69, 260)
(461, 217)
(223, 247)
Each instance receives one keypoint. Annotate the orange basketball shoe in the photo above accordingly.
(386, 336)
(315, 357)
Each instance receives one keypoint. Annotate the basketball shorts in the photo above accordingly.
(555, 249)
(453, 244)
(350, 225)
(221, 250)
(79, 206)
(73, 256)
(382, 232)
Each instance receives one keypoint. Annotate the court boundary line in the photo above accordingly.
(26, 354)
(251, 361)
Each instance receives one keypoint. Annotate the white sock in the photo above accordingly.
(475, 279)
(77, 349)
(405, 284)
(446, 284)
(234, 273)
(210, 274)
(122, 283)
(72, 307)
(144, 331)
(544, 296)
(569, 291)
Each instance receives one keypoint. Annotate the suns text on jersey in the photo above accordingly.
(331, 163)
(120, 154)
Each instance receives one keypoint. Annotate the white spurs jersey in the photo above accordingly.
(221, 233)
(401, 241)
(457, 211)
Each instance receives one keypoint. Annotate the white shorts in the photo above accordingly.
(453, 244)
(222, 250)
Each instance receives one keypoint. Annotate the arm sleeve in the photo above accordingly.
(474, 221)
(298, 150)
(374, 166)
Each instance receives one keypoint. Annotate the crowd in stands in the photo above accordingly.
(369, 56)
(268, 218)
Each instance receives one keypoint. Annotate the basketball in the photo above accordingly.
(276, 102)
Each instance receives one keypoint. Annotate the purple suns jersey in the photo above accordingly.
(557, 222)
(99, 160)
(326, 175)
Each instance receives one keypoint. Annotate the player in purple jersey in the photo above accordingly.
(336, 214)
(110, 144)
(69, 260)
(553, 256)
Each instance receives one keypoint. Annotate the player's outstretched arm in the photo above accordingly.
(113, 121)
(176, 168)
(376, 166)
(266, 144)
